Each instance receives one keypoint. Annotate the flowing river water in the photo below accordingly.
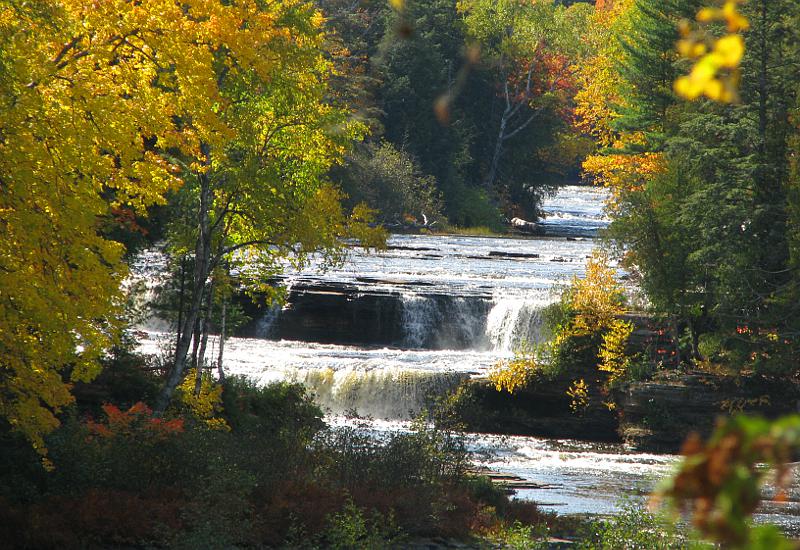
(459, 304)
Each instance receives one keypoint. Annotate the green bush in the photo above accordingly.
(634, 529)
(521, 537)
(389, 181)
(125, 477)
(351, 530)
(472, 207)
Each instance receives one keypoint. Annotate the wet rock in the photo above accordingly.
(542, 409)
(658, 414)
(374, 313)
(411, 248)
(524, 226)
(512, 255)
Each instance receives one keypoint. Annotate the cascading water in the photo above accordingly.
(455, 306)
(421, 315)
(515, 323)
(444, 322)
(379, 393)
(266, 323)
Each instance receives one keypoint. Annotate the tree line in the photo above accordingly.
(704, 193)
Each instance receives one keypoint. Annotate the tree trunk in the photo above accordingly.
(198, 327)
(181, 303)
(202, 262)
(498, 152)
(222, 327)
(762, 86)
(198, 379)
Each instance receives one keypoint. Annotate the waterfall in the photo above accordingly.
(514, 322)
(421, 316)
(266, 324)
(380, 393)
(456, 322)
(443, 322)
(466, 328)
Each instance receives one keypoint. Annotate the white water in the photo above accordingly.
(515, 322)
(494, 303)
(420, 313)
(393, 383)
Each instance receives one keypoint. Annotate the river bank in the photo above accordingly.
(654, 415)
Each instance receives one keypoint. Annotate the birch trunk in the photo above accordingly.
(201, 271)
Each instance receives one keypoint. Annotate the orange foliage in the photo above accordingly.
(623, 173)
(137, 419)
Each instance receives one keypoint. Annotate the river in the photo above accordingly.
(385, 330)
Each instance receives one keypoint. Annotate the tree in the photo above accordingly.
(532, 47)
(705, 228)
(257, 192)
(83, 103)
(417, 69)
(390, 182)
(104, 108)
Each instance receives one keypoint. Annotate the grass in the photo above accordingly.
(475, 231)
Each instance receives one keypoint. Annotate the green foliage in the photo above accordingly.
(705, 231)
(350, 530)
(587, 334)
(389, 181)
(634, 529)
(471, 207)
(415, 76)
(521, 537)
(277, 477)
(648, 61)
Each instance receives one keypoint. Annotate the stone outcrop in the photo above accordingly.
(542, 409)
(654, 415)
(658, 414)
(367, 315)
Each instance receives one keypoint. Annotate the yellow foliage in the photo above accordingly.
(595, 304)
(92, 95)
(513, 374)
(622, 173)
(597, 100)
(207, 405)
(595, 299)
(613, 359)
(579, 393)
(715, 73)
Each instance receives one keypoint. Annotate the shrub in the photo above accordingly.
(520, 537)
(125, 477)
(633, 529)
(351, 530)
(472, 207)
(390, 181)
(587, 333)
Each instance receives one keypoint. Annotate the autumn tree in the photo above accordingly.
(701, 195)
(255, 190)
(108, 105)
(83, 103)
(533, 47)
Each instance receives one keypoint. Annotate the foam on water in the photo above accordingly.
(420, 314)
(385, 383)
(515, 322)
